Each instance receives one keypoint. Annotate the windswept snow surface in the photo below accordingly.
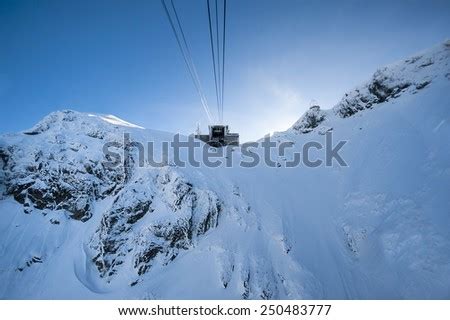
(116, 121)
(378, 229)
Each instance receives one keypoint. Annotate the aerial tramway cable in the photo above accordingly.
(218, 62)
(218, 59)
(223, 52)
(187, 56)
(217, 53)
(213, 57)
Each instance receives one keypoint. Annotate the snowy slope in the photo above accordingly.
(72, 228)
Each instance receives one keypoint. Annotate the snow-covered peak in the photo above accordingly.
(405, 77)
(69, 120)
(408, 76)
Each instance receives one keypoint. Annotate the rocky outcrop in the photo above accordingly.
(173, 213)
(381, 88)
(151, 214)
(310, 120)
(49, 170)
(390, 82)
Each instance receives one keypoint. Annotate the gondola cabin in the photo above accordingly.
(219, 136)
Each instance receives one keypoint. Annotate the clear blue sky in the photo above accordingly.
(120, 57)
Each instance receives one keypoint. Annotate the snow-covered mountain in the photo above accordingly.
(72, 227)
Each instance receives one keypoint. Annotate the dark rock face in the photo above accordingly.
(382, 88)
(29, 263)
(59, 167)
(310, 120)
(416, 73)
(128, 208)
(53, 181)
(175, 214)
(422, 85)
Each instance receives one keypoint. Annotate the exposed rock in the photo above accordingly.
(51, 175)
(188, 213)
(422, 84)
(310, 120)
(392, 81)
